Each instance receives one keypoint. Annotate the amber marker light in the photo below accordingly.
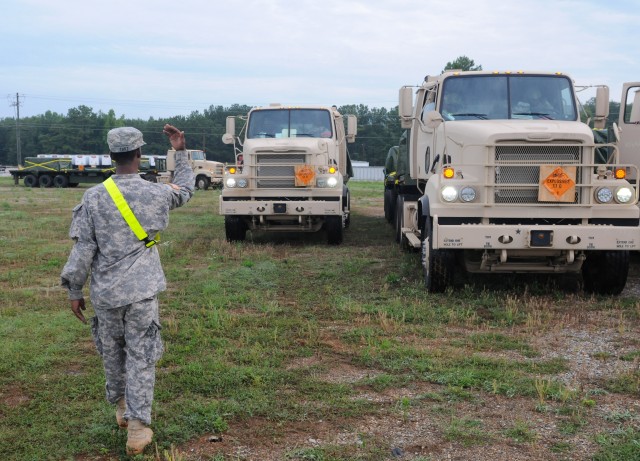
(621, 173)
(448, 172)
(232, 170)
(332, 169)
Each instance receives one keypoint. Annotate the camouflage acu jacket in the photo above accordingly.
(123, 270)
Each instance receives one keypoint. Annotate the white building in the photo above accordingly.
(363, 172)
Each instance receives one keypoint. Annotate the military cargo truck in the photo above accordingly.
(502, 177)
(291, 172)
(207, 172)
(51, 170)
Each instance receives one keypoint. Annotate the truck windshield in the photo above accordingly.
(197, 155)
(290, 123)
(497, 97)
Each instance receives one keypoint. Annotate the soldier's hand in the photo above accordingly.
(77, 306)
(176, 137)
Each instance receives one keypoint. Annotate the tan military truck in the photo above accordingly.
(503, 177)
(208, 172)
(291, 171)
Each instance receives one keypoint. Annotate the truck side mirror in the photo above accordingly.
(433, 119)
(230, 134)
(352, 128)
(405, 108)
(602, 107)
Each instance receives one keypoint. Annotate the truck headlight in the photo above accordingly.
(468, 194)
(230, 182)
(242, 182)
(332, 181)
(604, 195)
(624, 194)
(449, 194)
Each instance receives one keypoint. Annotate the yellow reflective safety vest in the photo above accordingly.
(127, 214)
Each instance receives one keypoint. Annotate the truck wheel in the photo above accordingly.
(605, 272)
(399, 217)
(202, 183)
(393, 206)
(60, 180)
(235, 228)
(346, 205)
(45, 180)
(437, 265)
(333, 226)
(388, 196)
(30, 180)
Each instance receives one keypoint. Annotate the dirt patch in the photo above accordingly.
(13, 397)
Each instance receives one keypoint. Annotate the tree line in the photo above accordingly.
(83, 131)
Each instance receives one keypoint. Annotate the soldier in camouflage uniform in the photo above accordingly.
(126, 275)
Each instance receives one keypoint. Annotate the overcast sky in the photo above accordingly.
(161, 58)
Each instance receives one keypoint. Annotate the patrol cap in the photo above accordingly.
(124, 139)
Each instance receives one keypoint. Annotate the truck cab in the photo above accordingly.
(208, 173)
(291, 172)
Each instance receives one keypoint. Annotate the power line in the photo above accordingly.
(16, 104)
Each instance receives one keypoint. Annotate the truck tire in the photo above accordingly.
(437, 265)
(388, 196)
(30, 180)
(393, 205)
(45, 180)
(60, 180)
(346, 206)
(235, 228)
(202, 182)
(398, 217)
(333, 226)
(605, 272)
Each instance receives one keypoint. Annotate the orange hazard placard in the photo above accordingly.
(304, 175)
(557, 183)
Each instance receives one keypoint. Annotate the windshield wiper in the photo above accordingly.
(537, 114)
(471, 114)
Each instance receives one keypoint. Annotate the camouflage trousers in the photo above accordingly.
(128, 339)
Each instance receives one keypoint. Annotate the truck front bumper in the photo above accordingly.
(280, 208)
(535, 237)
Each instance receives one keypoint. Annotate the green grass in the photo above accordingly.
(241, 320)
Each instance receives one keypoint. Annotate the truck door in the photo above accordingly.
(425, 136)
(629, 124)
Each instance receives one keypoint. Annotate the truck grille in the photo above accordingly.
(517, 170)
(275, 171)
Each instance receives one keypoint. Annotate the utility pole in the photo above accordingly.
(16, 104)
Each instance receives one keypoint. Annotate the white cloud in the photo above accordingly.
(195, 53)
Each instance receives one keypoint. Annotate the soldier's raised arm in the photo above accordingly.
(183, 181)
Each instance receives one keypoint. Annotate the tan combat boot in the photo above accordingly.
(139, 437)
(121, 407)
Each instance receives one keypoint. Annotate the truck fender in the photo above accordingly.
(423, 210)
